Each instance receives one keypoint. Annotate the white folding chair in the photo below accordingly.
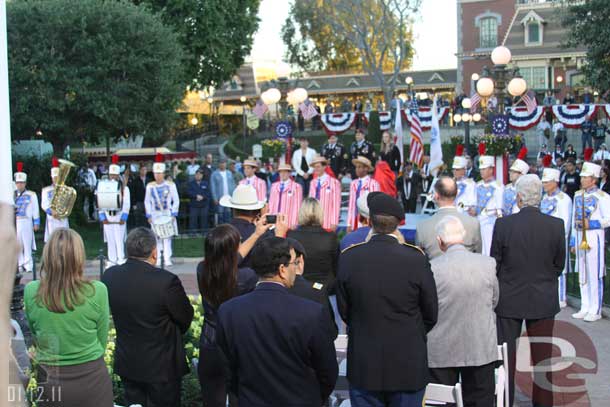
(502, 383)
(438, 394)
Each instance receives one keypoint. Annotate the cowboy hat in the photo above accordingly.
(244, 197)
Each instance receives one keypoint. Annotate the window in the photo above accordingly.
(533, 32)
(534, 76)
(488, 32)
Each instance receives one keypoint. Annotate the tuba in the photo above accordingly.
(64, 196)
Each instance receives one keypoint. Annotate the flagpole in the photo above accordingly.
(6, 189)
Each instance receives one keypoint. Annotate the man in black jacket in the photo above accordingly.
(137, 187)
(387, 297)
(529, 248)
(151, 312)
(409, 186)
(278, 346)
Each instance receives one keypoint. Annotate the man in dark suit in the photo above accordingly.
(529, 248)
(409, 186)
(306, 289)
(201, 195)
(137, 188)
(278, 346)
(388, 312)
(151, 312)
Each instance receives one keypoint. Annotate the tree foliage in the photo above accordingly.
(216, 34)
(588, 24)
(350, 35)
(86, 69)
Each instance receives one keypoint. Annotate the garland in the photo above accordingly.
(520, 119)
(337, 123)
(425, 116)
(385, 120)
(573, 116)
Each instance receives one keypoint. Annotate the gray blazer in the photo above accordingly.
(425, 235)
(467, 287)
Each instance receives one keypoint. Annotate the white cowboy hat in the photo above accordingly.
(244, 197)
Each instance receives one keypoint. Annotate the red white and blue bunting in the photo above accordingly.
(573, 116)
(337, 123)
(385, 120)
(425, 116)
(520, 119)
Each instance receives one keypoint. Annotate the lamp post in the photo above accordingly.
(244, 121)
(466, 118)
(194, 123)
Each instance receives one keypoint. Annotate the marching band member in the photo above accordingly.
(362, 185)
(114, 221)
(519, 168)
(286, 196)
(52, 222)
(27, 216)
(327, 190)
(558, 204)
(588, 240)
(161, 200)
(489, 199)
(250, 166)
(467, 188)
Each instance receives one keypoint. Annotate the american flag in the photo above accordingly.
(530, 101)
(416, 149)
(475, 101)
(260, 109)
(308, 110)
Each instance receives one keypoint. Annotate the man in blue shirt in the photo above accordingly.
(359, 235)
(199, 192)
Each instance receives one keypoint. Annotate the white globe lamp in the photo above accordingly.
(485, 87)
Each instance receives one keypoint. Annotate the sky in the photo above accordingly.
(435, 34)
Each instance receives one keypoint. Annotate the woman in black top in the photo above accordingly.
(219, 280)
(389, 152)
(570, 153)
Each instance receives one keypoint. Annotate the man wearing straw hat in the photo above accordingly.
(558, 204)
(362, 185)
(250, 167)
(46, 196)
(466, 187)
(286, 196)
(27, 217)
(327, 190)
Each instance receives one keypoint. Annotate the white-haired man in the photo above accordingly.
(558, 204)
(590, 254)
(463, 343)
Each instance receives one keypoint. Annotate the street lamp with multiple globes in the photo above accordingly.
(466, 118)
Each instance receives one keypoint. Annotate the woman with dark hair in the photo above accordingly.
(220, 279)
(68, 317)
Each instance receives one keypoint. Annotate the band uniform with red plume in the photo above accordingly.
(459, 161)
(588, 154)
(159, 165)
(481, 148)
(485, 161)
(522, 153)
(20, 176)
(459, 150)
(520, 165)
(114, 168)
(54, 167)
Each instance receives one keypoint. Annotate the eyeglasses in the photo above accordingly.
(297, 262)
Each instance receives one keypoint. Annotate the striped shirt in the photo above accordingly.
(327, 190)
(286, 197)
(258, 184)
(357, 188)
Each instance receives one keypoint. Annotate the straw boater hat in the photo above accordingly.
(114, 168)
(459, 161)
(318, 160)
(20, 176)
(251, 162)
(54, 167)
(284, 167)
(588, 168)
(244, 197)
(364, 161)
(159, 165)
(485, 161)
(519, 165)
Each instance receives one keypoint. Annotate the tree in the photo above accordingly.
(588, 24)
(80, 70)
(217, 35)
(380, 30)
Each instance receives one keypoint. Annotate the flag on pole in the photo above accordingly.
(308, 110)
(399, 135)
(416, 150)
(475, 101)
(436, 150)
(260, 109)
(530, 101)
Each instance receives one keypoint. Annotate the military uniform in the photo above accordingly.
(336, 154)
(27, 217)
(362, 149)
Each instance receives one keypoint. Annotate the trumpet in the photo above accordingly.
(584, 245)
(64, 196)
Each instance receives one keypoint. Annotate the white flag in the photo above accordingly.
(436, 150)
(399, 137)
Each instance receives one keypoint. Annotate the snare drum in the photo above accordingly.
(109, 195)
(164, 227)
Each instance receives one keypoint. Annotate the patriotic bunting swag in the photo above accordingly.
(385, 120)
(573, 116)
(337, 123)
(425, 116)
(520, 119)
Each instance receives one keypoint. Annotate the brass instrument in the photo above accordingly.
(584, 245)
(64, 196)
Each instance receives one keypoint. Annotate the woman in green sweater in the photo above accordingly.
(68, 317)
